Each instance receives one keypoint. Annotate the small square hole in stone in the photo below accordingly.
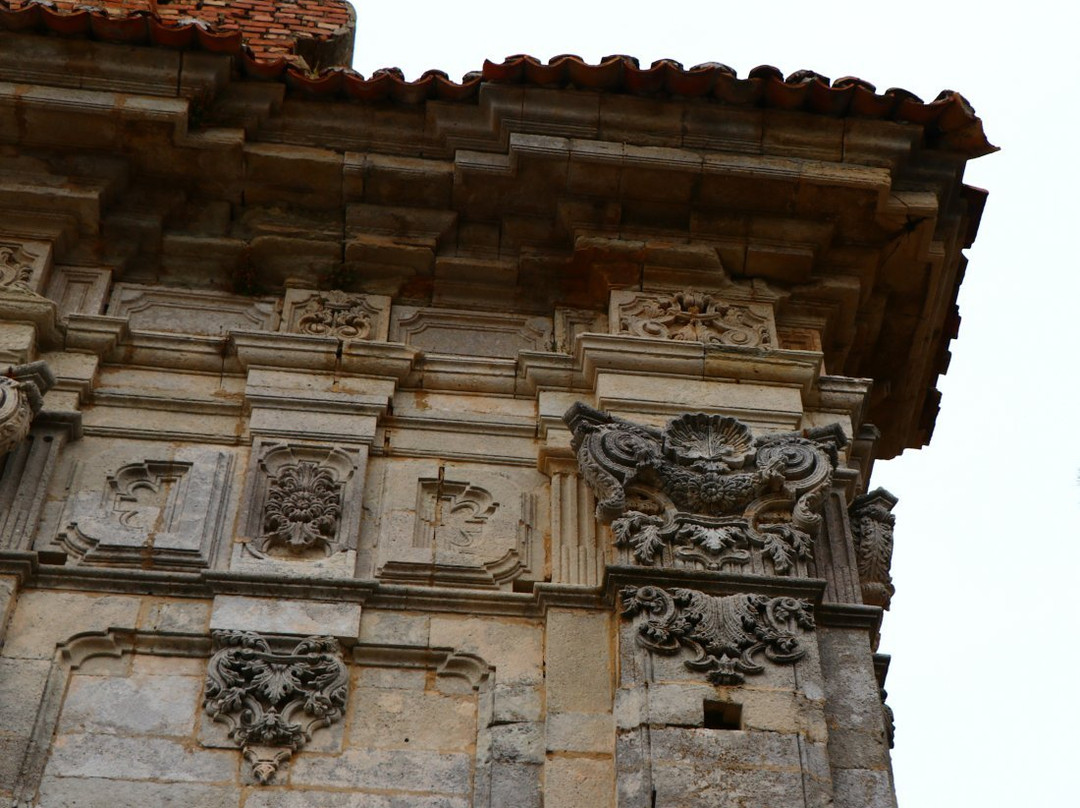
(722, 715)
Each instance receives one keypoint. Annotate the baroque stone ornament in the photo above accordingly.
(872, 524)
(16, 268)
(303, 508)
(703, 491)
(22, 391)
(693, 316)
(338, 314)
(273, 701)
(728, 634)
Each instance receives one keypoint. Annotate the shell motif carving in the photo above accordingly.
(703, 491)
(727, 634)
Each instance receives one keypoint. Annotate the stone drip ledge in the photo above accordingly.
(33, 571)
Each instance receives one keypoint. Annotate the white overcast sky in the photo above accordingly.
(982, 630)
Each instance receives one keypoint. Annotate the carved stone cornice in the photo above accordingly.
(273, 701)
(705, 492)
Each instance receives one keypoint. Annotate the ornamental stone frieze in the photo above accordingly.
(693, 316)
(872, 523)
(704, 492)
(273, 701)
(22, 390)
(335, 313)
(728, 634)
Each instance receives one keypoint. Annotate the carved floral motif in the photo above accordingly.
(274, 701)
(704, 490)
(872, 525)
(303, 508)
(728, 634)
(696, 317)
(22, 390)
(337, 314)
(16, 268)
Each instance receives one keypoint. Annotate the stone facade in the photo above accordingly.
(509, 452)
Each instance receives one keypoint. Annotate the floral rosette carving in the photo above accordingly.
(303, 508)
(703, 491)
(274, 701)
(727, 634)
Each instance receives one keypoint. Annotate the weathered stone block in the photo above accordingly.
(579, 782)
(578, 661)
(91, 792)
(44, 619)
(275, 616)
(580, 732)
(391, 770)
(126, 758)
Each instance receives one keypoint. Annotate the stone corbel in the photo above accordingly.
(22, 393)
(872, 523)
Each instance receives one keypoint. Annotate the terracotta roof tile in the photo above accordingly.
(950, 121)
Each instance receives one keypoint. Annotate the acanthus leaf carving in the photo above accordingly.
(273, 701)
(872, 523)
(728, 634)
(303, 509)
(703, 490)
(16, 268)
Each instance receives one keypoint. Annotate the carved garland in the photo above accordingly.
(337, 314)
(728, 634)
(274, 701)
(703, 490)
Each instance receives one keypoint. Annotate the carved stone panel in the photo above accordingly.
(163, 308)
(872, 525)
(304, 501)
(704, 492)
(23, 266)
(730, 636)
(693, 316)
(163, 513)
(273, 700)
(79, 290)
(454, 524)
(470, 333)
(345, 315)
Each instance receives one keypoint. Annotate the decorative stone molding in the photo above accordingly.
(163, 308)
(703, 491)
(336, 313)
(452, 514)
(470, 333)
(872, 524)
(274, 701)
(79, 290)
(166, 514)
(304, 502)
(728, 634)
(693, 316)
(22, 391)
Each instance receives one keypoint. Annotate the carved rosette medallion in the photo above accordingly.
(272, 701)
(338, 314)
(692, 316)
(872, 523)
(727, 634)
(303, 509)
(703, 492)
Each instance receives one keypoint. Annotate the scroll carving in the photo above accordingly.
(872, 525)
(728, 634)
(272, 701)
(338, 314)
(697, 317)
(22, 391)
(16, 268)
(703, 491)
